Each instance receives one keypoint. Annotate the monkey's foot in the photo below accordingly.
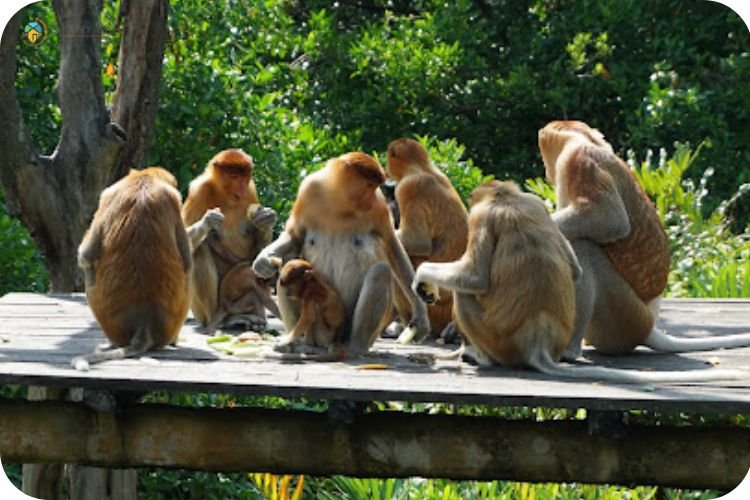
(292, 346)
(572, 353)
(285, 344)
(80, 363)
(393, 330)
(476, 356)
(245, 322)
(106, 346)
(450, 334)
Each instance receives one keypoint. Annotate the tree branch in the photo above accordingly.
(16, 144)
(139, 78)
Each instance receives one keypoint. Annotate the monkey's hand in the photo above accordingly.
(428, 292)
(198, 232)
(213, 219)
(264, 218)
(266, 265)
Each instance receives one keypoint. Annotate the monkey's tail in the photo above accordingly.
(661, 341)
(542, 361)
(140, 343)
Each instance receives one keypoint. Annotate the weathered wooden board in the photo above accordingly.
(40, 334)
(378, 444)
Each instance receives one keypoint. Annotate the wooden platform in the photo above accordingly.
(39, 335)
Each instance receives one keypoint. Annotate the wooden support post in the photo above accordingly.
(383, 444)
(42, 480)
(45, 480)
(609, 424)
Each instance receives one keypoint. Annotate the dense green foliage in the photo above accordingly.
(21, 267)
(297, 82)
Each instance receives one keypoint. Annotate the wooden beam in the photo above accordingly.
(385, 444)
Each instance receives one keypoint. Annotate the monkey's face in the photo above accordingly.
(363, 175)
(233, 169)
(234, 183)
(404, 154)
(364, 193)
(396, 165)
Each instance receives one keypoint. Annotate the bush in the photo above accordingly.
(22, 267)
(708, 260)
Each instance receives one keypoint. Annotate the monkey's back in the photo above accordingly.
(447, 218)
(431, 200)
(642, 258)
(531, 288)
(141, 279)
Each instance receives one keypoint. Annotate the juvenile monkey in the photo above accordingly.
(226, 225)
(340, 224)
(321, 308)
(241, 290)
(619, 242)
(136, 258)
(514, 288)
(434, 221)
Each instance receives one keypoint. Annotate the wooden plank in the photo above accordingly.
(40, 334)
(380, 444)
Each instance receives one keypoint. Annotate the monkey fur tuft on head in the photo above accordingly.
(233, 162)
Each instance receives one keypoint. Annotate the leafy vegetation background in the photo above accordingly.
(295, 83)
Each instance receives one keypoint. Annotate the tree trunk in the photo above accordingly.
(55, 196)
(139, 78)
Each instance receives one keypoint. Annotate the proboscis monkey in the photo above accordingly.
(434, 221)
(136, 259)
(226, 226)
(241, 290)
(320, 306)
(620, 244)
(514, 289)
(340, 223)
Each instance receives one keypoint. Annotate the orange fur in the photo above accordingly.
(319, 302)
(225, 184)
(595, 190)
(434, 221)
(513, 287)
(341, 224)
(136, 257)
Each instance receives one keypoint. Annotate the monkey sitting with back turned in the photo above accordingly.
(136, 260)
